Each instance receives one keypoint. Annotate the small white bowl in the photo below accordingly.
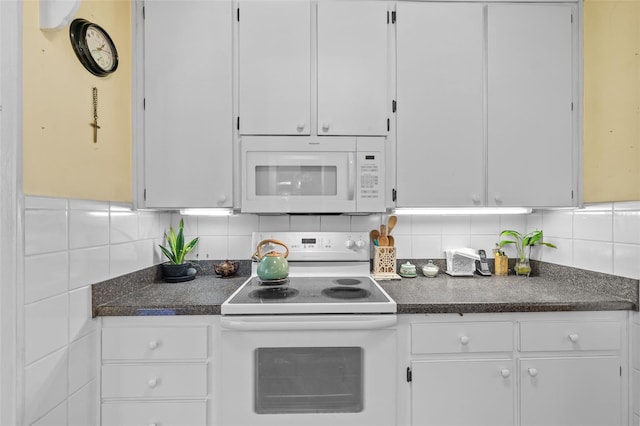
(430, 269)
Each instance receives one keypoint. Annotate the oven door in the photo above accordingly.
(337, 370)
(297, 175)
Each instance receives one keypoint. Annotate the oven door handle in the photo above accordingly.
(323, 324)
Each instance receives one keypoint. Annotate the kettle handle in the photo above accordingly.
(278, 242)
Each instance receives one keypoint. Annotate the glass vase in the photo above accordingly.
(522, 266)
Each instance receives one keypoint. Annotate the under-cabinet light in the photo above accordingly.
(206, 212)
(464, 211)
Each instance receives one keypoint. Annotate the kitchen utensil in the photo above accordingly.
(373, 235)
(273, 265)
(382, 239)
(391, 241)
(430, 269)
(391, 224)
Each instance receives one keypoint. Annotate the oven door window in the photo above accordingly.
(309, 380)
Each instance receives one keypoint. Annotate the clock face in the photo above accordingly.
(93, 47)
(100, 47)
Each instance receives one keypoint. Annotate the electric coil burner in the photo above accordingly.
(328, 274)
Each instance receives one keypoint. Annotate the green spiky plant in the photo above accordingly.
(523, 245)
(177, 249)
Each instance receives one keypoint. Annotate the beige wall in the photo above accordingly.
(60, 158)
(611, 100)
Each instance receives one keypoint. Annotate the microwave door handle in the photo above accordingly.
(351, 171)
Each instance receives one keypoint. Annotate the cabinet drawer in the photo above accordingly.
(149, 413)
(569, 336)
(149, 343)
(461, 337)
(157, 380)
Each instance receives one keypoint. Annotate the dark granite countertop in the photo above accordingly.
(556, 288)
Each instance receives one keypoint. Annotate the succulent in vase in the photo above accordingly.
(176, 251)
(523, 244)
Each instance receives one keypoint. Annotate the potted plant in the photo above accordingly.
(523, 245)
(176, 269)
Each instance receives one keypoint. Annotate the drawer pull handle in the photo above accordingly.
(300, 126)
(464, 339)
(153, 344)
(533, 372)
(505, 372)
(325, 127)
(574, 337)
(153, 424)
(152, 383)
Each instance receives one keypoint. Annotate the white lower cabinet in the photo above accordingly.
(525, 369)
(156, 371)
(463, 392)
(154, 413)
(572, 391)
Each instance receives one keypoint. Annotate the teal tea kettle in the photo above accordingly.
(273, 265)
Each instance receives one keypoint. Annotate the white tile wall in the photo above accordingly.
(69, 245)
(600, 237)
(45, 385)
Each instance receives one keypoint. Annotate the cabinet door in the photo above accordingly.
(462, 393)
(530, 117)
(274, 67)
(352, 68)
(440, 130)
(188, 104)
(570, 392)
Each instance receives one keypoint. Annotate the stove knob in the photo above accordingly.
(360, 244)
(349, 243)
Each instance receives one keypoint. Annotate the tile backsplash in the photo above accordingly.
(71, 244)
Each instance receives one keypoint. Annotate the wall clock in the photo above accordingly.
(93, 47)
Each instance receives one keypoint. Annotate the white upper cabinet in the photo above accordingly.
(530, 102)
(352, 68)
(299, 60)
(440, 122)
(275, 67)
(188, 116)
(486, 97)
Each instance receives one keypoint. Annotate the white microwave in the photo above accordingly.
(312, 174)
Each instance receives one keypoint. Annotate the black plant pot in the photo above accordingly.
(178, 273)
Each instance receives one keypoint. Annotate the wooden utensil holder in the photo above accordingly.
(384, 260)
(502, 265)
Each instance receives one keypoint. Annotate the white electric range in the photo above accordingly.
(316, 349)
(328, 274)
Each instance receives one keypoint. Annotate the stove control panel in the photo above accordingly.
(319, 246)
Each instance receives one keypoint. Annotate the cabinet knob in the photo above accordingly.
(498, 198)
(153, 383)
(505, 372)
(222, 198)
(153, 344)
(464, 340)
(533, 372)
(300, 126)
(475, 198)
(574, 337)
(325, 127)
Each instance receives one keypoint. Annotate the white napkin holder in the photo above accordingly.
(461, 262)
